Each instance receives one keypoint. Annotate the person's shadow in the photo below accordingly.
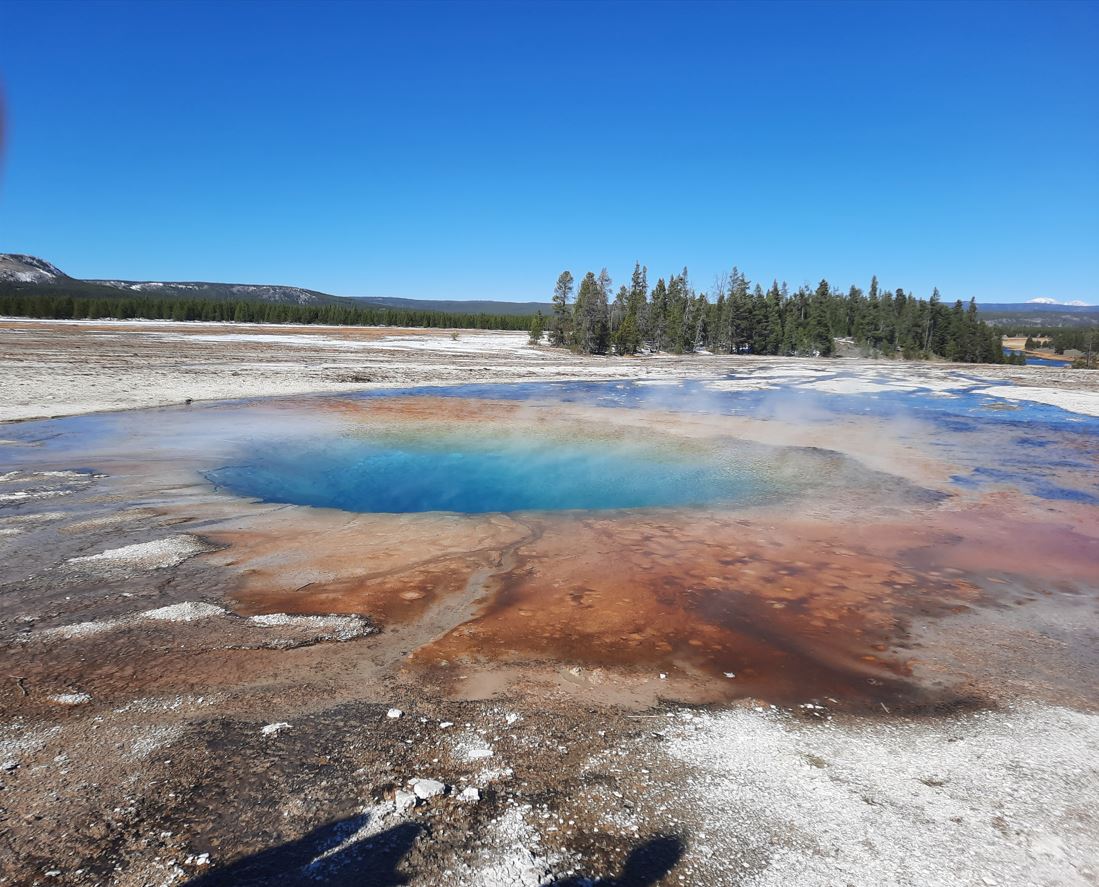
(646, 864)
(329, 855)
(319, 858)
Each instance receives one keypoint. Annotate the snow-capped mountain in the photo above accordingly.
(17, 268)
(23, 272)
(1043, 300)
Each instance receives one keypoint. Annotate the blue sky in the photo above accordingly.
(475, 150)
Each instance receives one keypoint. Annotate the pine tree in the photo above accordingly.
(562, 326)
(536, 327)
(590, 327)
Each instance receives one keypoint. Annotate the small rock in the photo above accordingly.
(469, 796)
(402, 800)
(10, 765)
(394, 713)
(730, 674)
(444, 724)
(275, 729)
(427, 788)
(663, 676)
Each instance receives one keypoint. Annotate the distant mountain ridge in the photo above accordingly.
(32, 274)
(459, 306)
(1043, 300)
(1039, 313)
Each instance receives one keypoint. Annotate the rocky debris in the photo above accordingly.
(30, 495)
(275, 729)
(403, 800)
(425, 789)
(332, 627)
(274, 631)
(187, 611)
(394, 713)
(469, 795)
(157, 555)
(70, 698)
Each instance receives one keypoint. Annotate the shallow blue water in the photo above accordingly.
(1040, 449)
(474, 476)
(1040, 361)
(280, 453)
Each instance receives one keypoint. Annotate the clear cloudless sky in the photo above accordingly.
(474, 150)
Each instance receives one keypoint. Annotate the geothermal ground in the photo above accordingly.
(856, 645)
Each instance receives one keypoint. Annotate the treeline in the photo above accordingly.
(1060, 338)
(61, 306)
(739, 318)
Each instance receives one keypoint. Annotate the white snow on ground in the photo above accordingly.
(1084, 402)
(156, 555)
(991, 798)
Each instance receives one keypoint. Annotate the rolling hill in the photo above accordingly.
(1043, 314)
(31, 274)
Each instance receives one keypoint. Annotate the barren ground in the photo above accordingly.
(200, 690)
(59, 368)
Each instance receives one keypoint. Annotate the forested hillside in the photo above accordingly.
(739, 318)
(23, 303)
(735, 318)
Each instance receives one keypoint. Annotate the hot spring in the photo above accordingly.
(493, 472)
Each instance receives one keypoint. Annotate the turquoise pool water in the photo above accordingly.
(480, 475)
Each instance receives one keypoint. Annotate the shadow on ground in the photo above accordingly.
(331, 855)
(646, 865)
(326, 855)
